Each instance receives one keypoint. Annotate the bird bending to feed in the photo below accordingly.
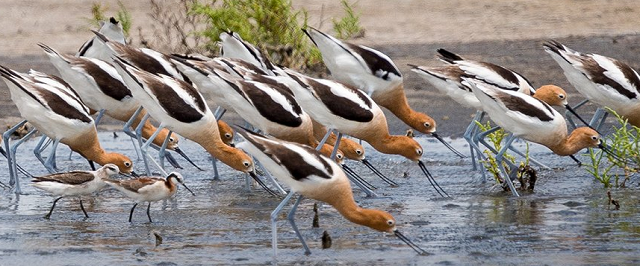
(54, 109)
(531, 119)
(603, 80)
(313, 175)
(448, 80)
(374, 73)
(350, 111)
(181, 108)
(149, 189)
(75, 183)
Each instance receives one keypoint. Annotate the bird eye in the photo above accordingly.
(419, 151)
(171, 139)
(427, 124)
(339, 156)
(127, 164)
(594, 137)
(561, 96)
(359, 152)
(246, 164)
(227, 135)
(390, 222)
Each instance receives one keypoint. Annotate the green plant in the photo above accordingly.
(622, 143)
(348, 26)
(124, 17)
(496, 139)
(594, 168)
(272, 25)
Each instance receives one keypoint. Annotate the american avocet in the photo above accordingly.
(448, 80)
(149, 189)
(249, 71)
(602, 80)
(271, 108)
(101, 88)
(181, 108)
(96, 49)
(313, 175)
(350, 111)
(57, 112)
(75, 183)
(533, 120)
(375, 73)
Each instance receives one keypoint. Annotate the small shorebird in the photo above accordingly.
(350, 111)
(531, 119)
(374, 73)
(313, 175)
(181, 108)
(55, 110)
(149, 189)
(74, 183)
(603, 80)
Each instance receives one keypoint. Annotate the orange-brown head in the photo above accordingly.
(226, 132)
(327, 149)
(400, 145)
(122, 161)
(422, 122)
(378, 220)
(173, 139)
(351, 149)
(235, 158)
(552, 95)
(580, 138)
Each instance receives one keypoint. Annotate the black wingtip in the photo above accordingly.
(413, 66)
(448, 56)
(113, 21)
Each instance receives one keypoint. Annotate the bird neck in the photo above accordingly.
(396, 101)
(211, 142)
(389, 144)
(342, 200)
(89, 147)
(568, 146)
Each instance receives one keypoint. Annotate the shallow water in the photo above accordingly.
(566, 221)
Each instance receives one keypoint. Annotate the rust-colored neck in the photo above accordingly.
(568, 145)
(396, 101)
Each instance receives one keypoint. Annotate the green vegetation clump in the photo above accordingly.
(348, 27)
(623, 143)
(272, 25)
(524, 168)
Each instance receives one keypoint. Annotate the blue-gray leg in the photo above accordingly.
(50, 164)
(98, 118)
(163, 148)
(291, 218)
(468, 136)
(499, 159)
(274, 226)
(216, 176)
(11, 148)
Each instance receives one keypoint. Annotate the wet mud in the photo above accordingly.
(567, 220)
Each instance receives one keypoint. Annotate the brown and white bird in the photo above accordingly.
(149, 189)
(75, 183)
